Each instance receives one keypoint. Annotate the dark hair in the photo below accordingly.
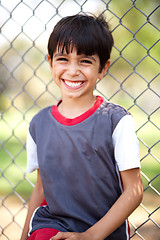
(88, 34)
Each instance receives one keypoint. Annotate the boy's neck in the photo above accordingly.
(72, 108)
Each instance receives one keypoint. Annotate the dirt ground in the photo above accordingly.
(12, 217)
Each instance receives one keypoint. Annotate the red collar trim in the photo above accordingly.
(68, 121)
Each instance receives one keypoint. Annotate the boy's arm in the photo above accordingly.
(121, 209)
(36, 199)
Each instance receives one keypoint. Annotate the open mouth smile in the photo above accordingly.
(73, 84)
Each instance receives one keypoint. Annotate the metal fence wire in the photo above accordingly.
(26, 86)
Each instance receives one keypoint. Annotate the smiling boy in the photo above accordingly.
(84, 148)
(76, 75)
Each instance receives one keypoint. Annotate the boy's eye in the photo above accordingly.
(62, 59)
(86, 61)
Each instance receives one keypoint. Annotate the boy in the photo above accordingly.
(84, 149)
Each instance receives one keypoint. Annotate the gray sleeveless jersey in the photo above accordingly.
(78, 170)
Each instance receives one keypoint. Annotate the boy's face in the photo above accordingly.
(76, 75)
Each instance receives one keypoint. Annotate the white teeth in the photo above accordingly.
(73, 84)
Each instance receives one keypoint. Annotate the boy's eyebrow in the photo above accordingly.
(59, 54)
(85, 56)
(91, 57)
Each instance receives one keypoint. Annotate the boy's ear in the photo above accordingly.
(104, 70)
(49, 60)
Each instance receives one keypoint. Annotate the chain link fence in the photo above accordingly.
(26, 86)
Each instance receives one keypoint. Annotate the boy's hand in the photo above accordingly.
(72, 236)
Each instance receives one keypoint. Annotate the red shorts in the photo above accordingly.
(43, 234)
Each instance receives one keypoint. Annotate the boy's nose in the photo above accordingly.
(73, 69)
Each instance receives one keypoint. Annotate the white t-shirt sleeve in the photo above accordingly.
(126, 145)
(32, 159)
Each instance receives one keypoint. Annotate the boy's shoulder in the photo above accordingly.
(113, 108)
(39, 121)
(112, 112)
(42, 114)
